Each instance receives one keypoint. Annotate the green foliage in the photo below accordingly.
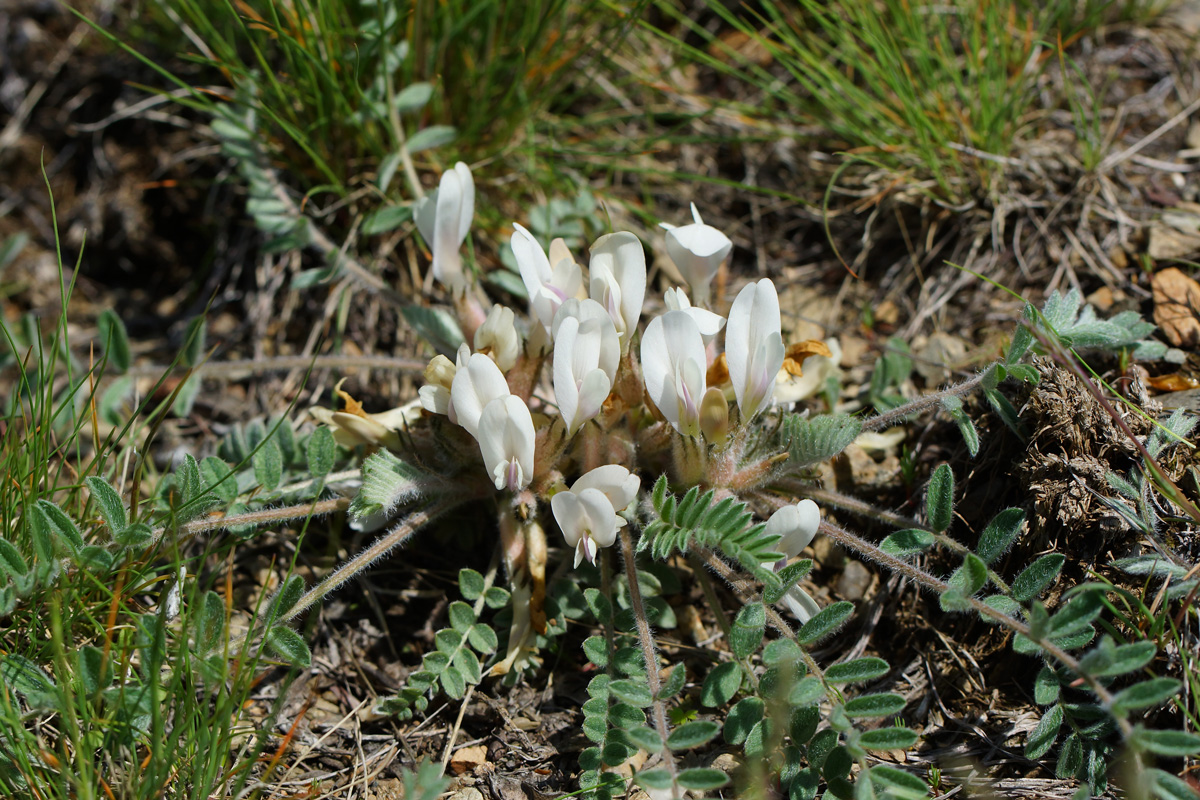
(939, 499)
(1073, 323)
(811, 440)
(724, 525)
(825, 623)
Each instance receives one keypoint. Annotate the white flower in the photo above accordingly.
(754, 346)
(506, 439)
(673, 366)
(444, 219)
(710, 324)
(796, 525)
(499, 338)
(618, 281)
(439, 377)
(477, 382)
(698, 251)
(587, 513)
(548, 285)
(586, 354)
(618, 484)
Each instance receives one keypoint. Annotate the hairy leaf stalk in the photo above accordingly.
(923, 578)
(649, 654)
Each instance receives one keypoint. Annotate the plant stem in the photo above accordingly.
(901, 413)
(263, 517)
(919, 576)
(722, 619)
(828, 497)
(867, 510)
(649, 654)
(746, 592)
(378, 549)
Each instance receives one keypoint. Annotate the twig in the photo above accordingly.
(1116, 158)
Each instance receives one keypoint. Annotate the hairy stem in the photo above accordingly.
(714, 603)
(378, 549)
(901, 413)
(649, 654)
(922, 578)
(854, 506)
(263, 517)
(748, 593)
(828, 497)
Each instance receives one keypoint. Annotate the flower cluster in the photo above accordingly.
(677, 401)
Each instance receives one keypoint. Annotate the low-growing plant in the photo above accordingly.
(640, 440)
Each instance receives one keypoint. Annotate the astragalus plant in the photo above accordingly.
(591, 426)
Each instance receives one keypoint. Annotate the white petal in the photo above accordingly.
(455, 205)
(618, 484)
(566, 386)
(698, 250)
(657, 373)
(506, 439)
(796, 525)
(531, 259)
(709, 323)
(801, 604)
(673, 366)
(499, 334)
(603, 520)
(781, 524)
(569, 514)
(593, 391)
(467, 204)
(435, 399)
(618, 269)
(753, 345)
(676, 299)
(474, 387)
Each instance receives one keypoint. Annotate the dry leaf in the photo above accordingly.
(1175, 382)
(1176, 307)
(468, 759)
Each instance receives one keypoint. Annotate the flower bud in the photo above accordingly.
(714, 416)
(498, 337)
